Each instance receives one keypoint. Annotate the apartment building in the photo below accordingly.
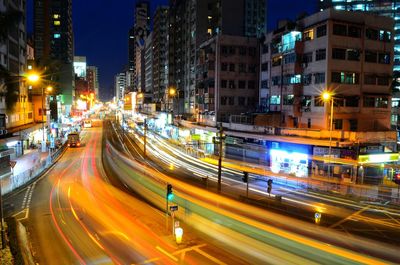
(348, 54)
(227, 78)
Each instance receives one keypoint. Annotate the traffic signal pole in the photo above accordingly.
(220, 157)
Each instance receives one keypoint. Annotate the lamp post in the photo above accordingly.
(328, 97)
(48, 89)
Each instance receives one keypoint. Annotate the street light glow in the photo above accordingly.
(49, 88)
(326, 95)
(33, 77)
(172, 91)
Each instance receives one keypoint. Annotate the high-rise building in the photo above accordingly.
(92, 76)
(137, 36)
(80, 66)
(53, 37)
(148, 65)
(348, 54)
(194, 22)
(119, 86)
(160, 53)
(388, 8)
(13, 53)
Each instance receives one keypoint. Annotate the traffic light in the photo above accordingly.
(170, 195)
(245, 177)
(396, 178)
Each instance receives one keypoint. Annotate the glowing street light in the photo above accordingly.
(328, 97)
(33, 77)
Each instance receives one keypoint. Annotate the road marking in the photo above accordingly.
(26, 197)
(350, 217)
(209, 256)
(166, 253)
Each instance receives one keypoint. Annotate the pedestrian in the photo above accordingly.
(269, 188)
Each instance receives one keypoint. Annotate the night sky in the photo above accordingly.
(101, 31)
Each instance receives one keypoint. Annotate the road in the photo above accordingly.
(74, 215)
(377, 222)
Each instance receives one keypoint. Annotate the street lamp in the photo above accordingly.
(44, 89)
(328, 97)
(171, 94)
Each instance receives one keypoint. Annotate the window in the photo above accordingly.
(264, 84)
(369, 102)
(307, 79)
(351, 101)
(57, 23)
(336, 77)
(353, 55)
(307, 57)
(383, 81)
(264, 67)
(224, 83)
(251, 84)
(339, 29)
(275, 100)
(319, 78)
(369, 79)
(276, 61)
(231, 67)
(288, 99)
(382, 102)
(338, 54)
(353, 125)
(289, 58)
(224, 67)
(252, 51)
(242, 68)
(242, 84)
(232, 84)
(306, 101)
(252, 68)
(308, 35)
(224, 50)
(242, 50)
(371, 56)
(320, 54)
(338, 124)
(371, 34)
(384, 58)
(276, 80)
(321, 31)
(354, 32)
(224, 100)
(57, 35)
(231, 50)
(231, 100)
(384, 35)
(264, 49)
(242, 101)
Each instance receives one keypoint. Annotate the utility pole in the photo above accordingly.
(145, 137)
(3, 234)
(220, 156)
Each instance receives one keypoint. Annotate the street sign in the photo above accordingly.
(173, 208)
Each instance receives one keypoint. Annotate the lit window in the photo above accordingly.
(209, 31)
(57, 35)
(29, 67)
(209, 17)
(57, 23)
(56, 16)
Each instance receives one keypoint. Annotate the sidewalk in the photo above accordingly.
(30, 158)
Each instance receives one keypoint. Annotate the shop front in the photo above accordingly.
(289, 158)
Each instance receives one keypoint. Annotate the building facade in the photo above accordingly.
(92, 76)
(148, 64)
(194, 22)
(54, 49)
(227, 78)
(160, 54)
(119, 86)
(348, 54)
(388, 8)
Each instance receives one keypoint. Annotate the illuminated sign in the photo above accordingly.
(378, 158)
